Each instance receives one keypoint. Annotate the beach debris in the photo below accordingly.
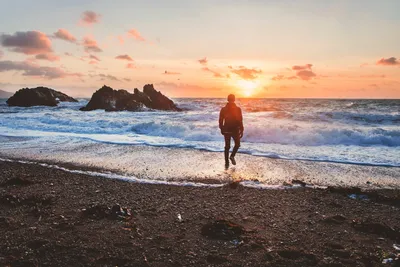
(237, 242)
(388, 260)
(222, 230)
(396, 247)
(180, 218)
(103, 211)
(359, 197)
(298, 182)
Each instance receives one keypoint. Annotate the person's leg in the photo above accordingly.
(227, 147)
(236, 138)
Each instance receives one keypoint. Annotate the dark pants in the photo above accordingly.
(236, 139)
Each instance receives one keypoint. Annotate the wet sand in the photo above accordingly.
(50, 217)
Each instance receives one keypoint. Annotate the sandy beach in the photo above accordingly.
(52, 217)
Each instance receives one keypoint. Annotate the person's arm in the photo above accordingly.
(221, 119)
(241, 123)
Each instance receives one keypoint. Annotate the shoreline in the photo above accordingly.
(182, 165)
(52, 217)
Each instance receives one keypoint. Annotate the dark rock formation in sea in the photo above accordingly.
(39, 96)
(119, 100)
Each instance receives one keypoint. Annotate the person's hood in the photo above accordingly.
(230, 105)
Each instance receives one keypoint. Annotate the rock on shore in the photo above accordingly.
(39, 96)
(121, 100)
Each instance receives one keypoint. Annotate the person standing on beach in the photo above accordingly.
(231, 125)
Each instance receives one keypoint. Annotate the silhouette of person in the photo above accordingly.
(231, 125)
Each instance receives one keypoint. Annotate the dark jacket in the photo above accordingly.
(231, 119)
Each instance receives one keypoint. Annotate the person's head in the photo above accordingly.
(231, 98)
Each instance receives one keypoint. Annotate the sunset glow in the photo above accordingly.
(205, 49)
(248, 87)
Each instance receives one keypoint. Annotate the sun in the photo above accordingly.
(248, 87)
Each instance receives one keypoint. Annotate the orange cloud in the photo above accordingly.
(29, 43)
(90, 17)
(246, 73)
(305, 74)
(203, 61)
(216, 74)
(65, 35)
(124, 57)
(130, 66)
(49, 57)
(283, 77)
(136, 35)
(90, 45)
(305, 67)
(392, 61)
(171, 73)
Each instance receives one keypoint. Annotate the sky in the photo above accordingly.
(253, 48)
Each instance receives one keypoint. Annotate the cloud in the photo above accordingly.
(283, 77)
(49, 57)
(246, 73)
(171, 73)
(93, 62)
(68, 54)
(90, 45)
(305, 74)
(130, 66)
(278, 78)
(391, 61)
(90, 17)
(1, 54)
(29, 43)
(108, 77)
(216, 74)
(29, 69)
(124, 57)
(127, 79)
(94, 58)
(65, 35)
(305, 67)
(203, 61)
(136, 35)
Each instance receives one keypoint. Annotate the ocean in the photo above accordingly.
(345, 131)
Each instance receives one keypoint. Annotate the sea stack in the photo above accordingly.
(39, 96)
(121, 100)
